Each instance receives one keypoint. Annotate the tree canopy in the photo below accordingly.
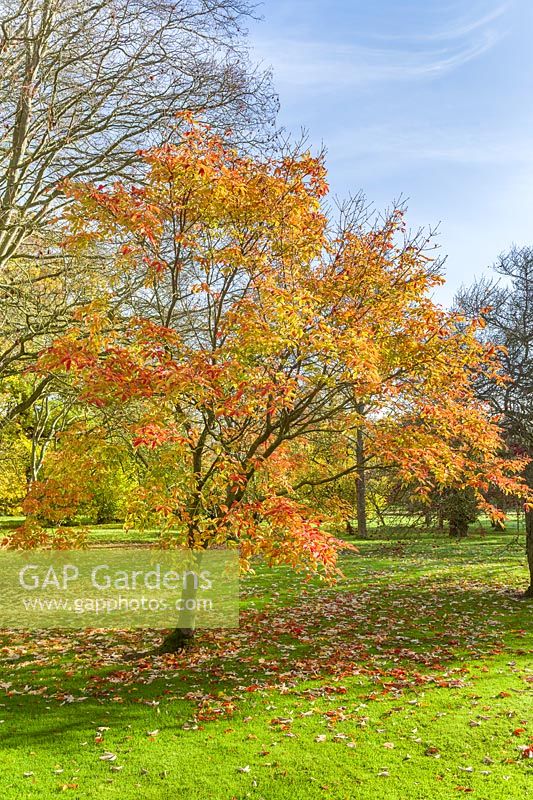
(241, 326)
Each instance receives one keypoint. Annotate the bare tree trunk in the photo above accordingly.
(529, 550)
(529, 531)
(183, 634)
(377, 509)
(74, 106)
(360, 485)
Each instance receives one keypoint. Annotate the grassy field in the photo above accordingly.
(411, 678)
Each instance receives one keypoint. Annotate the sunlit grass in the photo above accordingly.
(411, 678)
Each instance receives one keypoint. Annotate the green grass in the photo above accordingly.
(411, 678)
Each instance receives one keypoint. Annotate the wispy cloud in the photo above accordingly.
(316, 65)
(460, 27)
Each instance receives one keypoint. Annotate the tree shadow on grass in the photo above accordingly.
(394, 637)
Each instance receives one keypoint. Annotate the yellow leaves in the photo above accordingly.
(14, 461)
(277, 326)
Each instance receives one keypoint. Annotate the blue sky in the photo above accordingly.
(428, 99)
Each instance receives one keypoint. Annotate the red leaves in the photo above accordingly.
(276, 325)
(291, 535)
(154, 434)
(210, 709)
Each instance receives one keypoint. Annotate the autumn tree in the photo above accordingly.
(254, 327)
(505, 303)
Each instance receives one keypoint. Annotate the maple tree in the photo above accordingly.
(253, 329)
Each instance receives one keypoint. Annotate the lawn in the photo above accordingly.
(410, 678)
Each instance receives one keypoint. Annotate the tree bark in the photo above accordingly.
(529, 530)
(182, 636)
(360, 485)
(177, 640)
(458, 527)
(529, 551)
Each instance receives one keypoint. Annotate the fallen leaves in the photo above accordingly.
(108, 756)
(397, 645)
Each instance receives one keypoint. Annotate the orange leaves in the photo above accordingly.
(287, 533)
(240, 332)
(155, 434)
(32, 535)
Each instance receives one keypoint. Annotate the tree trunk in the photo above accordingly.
(529, 531)
(177, 640)
(182, 636)
(529, 550)
(360, 485)
(458, 527)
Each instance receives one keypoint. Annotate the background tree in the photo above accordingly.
(461, 509)
(14, 463)
(38, 300)
(82, 87)
(506, 305)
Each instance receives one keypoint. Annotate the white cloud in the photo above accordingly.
(321, 65)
